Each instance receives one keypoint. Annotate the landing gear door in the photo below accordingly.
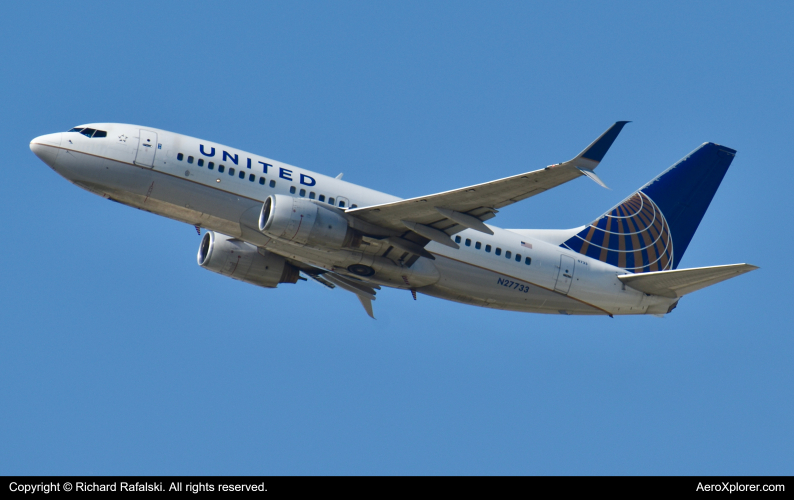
(565, 276)
(147, 148)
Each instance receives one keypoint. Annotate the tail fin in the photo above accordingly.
(651, 229)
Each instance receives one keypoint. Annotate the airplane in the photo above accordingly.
(269, 223)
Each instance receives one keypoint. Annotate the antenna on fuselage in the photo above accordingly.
(340, 175)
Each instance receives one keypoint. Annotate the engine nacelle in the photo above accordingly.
(243, 261)
(302, 221)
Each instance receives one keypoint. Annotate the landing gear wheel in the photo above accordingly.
(361, 270)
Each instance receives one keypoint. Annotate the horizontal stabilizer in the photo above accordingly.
(680, 282)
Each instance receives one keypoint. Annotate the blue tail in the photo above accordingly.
(652, 228)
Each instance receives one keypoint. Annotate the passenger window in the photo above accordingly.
(478, 245)
(221, 168)
(211, 165)
(528, 261)
(272, 183)
(488, 248)
(292, 189)
(251, 177)
(518, 257)
(302, 192)
(190, 159)
(201, 162)
(468, 242)
(331, 201)
(231, 171)
(322, 197)
(242, 174)
(180, 156)
(354, 206)
(457, 239)
(262, 181)
(341, 203)
(99, 133)
(508, 254)
(498, 251)
(312, 195)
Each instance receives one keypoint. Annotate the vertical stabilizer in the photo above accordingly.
(651, 229)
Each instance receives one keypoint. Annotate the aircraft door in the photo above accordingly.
(147, 148)
(342, 202)
(565, 276)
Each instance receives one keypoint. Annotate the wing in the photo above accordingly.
(437, 216)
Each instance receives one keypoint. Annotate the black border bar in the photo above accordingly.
(486, 485)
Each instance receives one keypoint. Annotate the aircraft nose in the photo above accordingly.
(46, 147)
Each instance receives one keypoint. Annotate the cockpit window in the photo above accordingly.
(89, 132)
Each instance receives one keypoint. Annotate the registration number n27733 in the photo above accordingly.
(513, 285)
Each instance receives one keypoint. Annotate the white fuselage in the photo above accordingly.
(159, 171)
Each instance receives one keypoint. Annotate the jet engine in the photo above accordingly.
(243, 261)
(305, 222)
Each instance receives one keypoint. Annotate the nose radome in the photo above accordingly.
(51, 139)
(46, 147)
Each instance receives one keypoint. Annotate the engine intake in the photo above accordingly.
(305, 222)
(243, 261)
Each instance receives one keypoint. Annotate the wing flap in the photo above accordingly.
(680, 282)
(367, 303)
(365, 292)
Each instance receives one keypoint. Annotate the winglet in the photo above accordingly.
(600, 146)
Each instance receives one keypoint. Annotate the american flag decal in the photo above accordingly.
(527, 245)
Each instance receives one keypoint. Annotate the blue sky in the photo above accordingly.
(121, 356)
